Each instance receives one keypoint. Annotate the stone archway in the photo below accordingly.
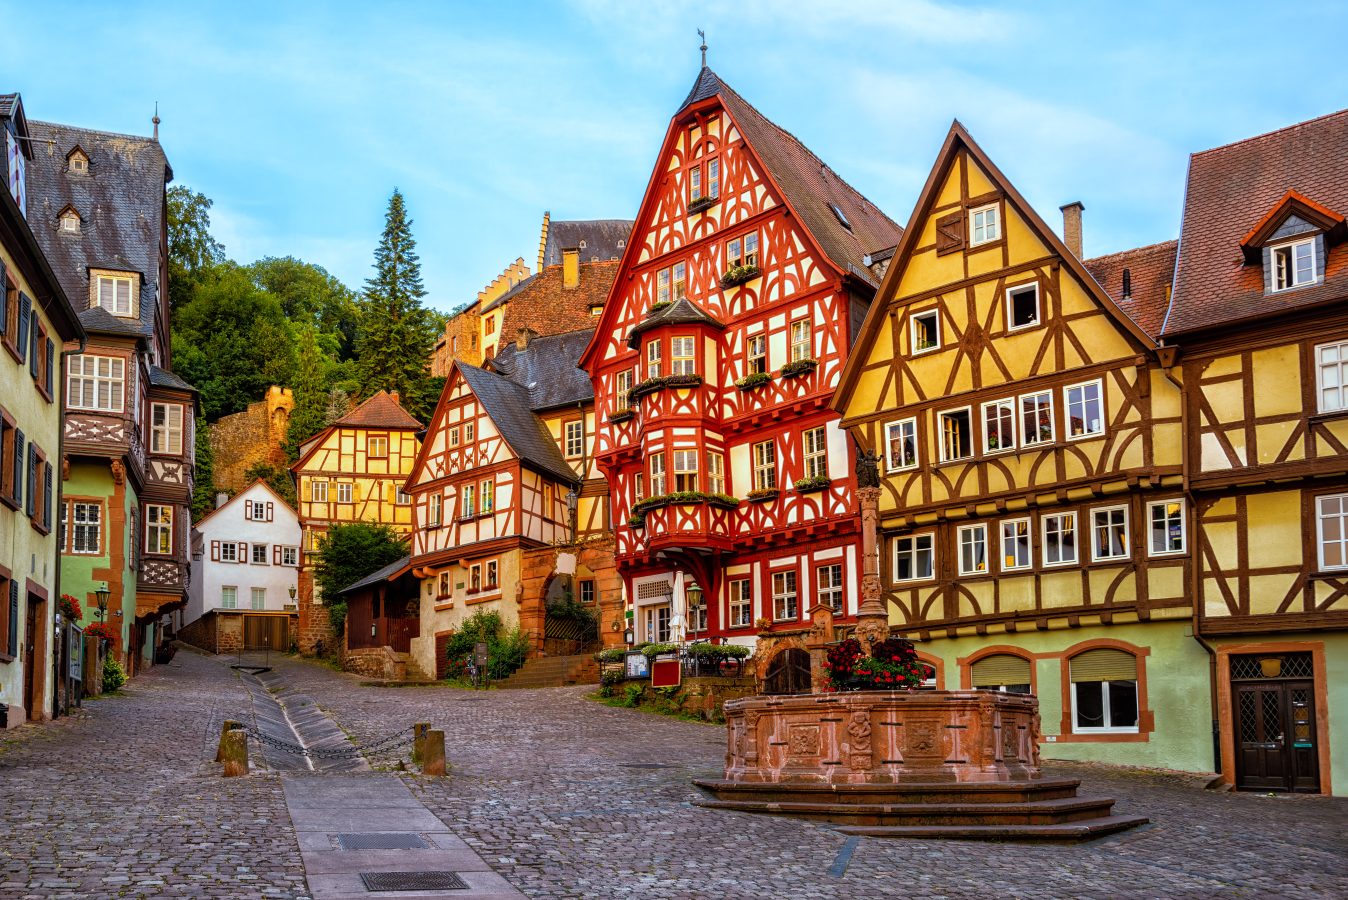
(540, 576)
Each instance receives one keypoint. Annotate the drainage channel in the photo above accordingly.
(285, 718)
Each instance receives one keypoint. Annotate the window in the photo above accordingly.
(973, 549)
(435, 505)
(685, 470)
(816, 453)
(1293, 265)
(85, 524)
(999, 426)
(257, 510)
(376, 446)
(716, 472)
(345, 492)
(984, 225)
(260, 554)
(1104, 691)
(741, 603)
(924, 330)
(653, 359)
(474, 578)
(1085, 410)
(662, 286)
(1167, 527)
(229, 597)
(95, 382)
(1015, 544)
(1001, 672)
(784, 600)
(713, 178)
(1060, 539)
(756, 354)
(638, 487)
(901, 445)
(491, 574)
(1109, 533)
(79, 163)
(318, 490)
(697, 608)
(469, 502)
(575, 439)
(487, 496)
(1022, 306)
(158, 529)
(444, 584)
(830, 580)
(454, 438)
(259, 598)
(401, 497)
(742, 251)
(914, 558)
(469, 432)
(587, 591)
(1331, 516)
(70, 222)
(765, 466)
(657, 623)
(229, 552)
(114, 295)
(290, 556)
(680, 281)
(695, 183)
(956, 436)
(1331, 373)
(800, 340)
(657, 474)
(682, 356)
(623, 401)
(1036, 419)
(166, 428)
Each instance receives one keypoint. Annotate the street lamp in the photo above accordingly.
(572, 503)
(101, 597)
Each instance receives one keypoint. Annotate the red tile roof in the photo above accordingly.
(1230, 189)
(380, 411)
(1150, 272)
(547, 306)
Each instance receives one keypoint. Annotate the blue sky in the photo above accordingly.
(298, 119)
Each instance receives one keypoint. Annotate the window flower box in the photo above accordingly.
(812, 484)
(738, 275)
(659, 383)
(636, 521)
(753, 381)
(679, 381)
(799, 367)
(623, 415)
(763, 494)
(649, 386)
(700, 204)
(659, 306)
(683, 497)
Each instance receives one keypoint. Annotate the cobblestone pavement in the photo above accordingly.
(563, 798)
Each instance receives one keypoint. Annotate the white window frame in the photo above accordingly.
(491, 576)
(741, 612)
(401, 497)
(971, 538)
(1082, 401)
(829, 588)
(346, 492)
(1104, 706)
(662, 282)
(765, 466)
(909, 425)
(679, 281)
(435, 510)
(658, 474)
(1291, 248)
(685, 470)
(715, 472)
(1061, 517)
(914, 321)
(468, 502)
(1031, 439)
(486, 497)
(940, 421)
(1011, 293)
(314, 491)
(94, 381)
(574, 439)
(290, 556)
(92, 526)
(1321, 517)
(454, 437)
(683, 355)
(115, 282)
(802, 340)
(229, 596)
(785, 595)
(622, 388)
(160, 525)
(1151, 527)
(469, 432)
(1022, 528)
(756, 353)
(253, 554)
(165, 436)
(996, 224)
(815, 459)
(1109, 525)
(1339, 365)
(653, 360)
(229, 552)
(914, 552)
(1005, 405)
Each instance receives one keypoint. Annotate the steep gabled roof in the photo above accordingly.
(1150, 273)
(230, 502)
(1230, 191)
(547, 369)
(380, 411)
(604, 239)
(508, 405)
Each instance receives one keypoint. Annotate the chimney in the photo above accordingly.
(1071, 226)
(570, 268)
(221, 499)
(396, 397)
(523, 336)
(543, 239)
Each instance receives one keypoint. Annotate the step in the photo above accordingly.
(1041, 812)
(1081, 830)
(912, 792)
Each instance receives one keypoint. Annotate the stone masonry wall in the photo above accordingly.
(255, 435)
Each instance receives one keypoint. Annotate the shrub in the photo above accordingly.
(506, 649)
(632, 695)
(651, 651)
(612, 654)
(611, 677)
(113, 675)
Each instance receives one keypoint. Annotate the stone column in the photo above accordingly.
(872, 616)
(821, 633)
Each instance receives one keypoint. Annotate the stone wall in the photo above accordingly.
(255, 435)
(594, 559)
(697, 696)
(376, 662)
(314, 624)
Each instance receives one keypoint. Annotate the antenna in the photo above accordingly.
(702, 34)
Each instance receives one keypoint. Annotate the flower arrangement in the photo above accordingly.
(762, 494)
(753, 380)
(69, 608)
(892, 666)
(718, 651)
(612, 654)
(799, 367)
(103, 630)
(658, 306)
(812, 483)
(660, 382)
(738, 275)
(700, 204)
(636, 520)
(683, 497)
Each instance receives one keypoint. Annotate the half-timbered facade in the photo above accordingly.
(736, 301)
(352, 471)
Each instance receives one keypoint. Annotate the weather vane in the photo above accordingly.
(702, 34)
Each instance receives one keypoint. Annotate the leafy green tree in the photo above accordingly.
(396, 333)
(309, 295)
(310, 390)
(203, 490)
(346, 554)
(192, 251)
(277, 478)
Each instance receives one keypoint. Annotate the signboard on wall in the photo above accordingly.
(666, 673)
(636, 664)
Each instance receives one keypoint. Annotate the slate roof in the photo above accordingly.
(380, 411)
(120, 203)
(99, 321)
(681, 312)
(389, 572)
(604, 239)
(809, 184)
(542, 302)
(166, 379)
(511, 411)
(547, 369)
(1151, 270)
(1230, 189)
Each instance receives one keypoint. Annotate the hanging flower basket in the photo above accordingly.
(738, 275)
(700, 204)
(69, 607)
(753, 381)
(103, 631)
(799, 367)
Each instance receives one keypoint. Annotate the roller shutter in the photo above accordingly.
(1103, 665)
(1003, 668)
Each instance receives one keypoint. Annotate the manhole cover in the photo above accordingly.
(412, 881)
(645, 766)
(382, 842)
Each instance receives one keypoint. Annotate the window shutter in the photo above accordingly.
(13, 618)
(25, 313)
(4, 300)
(950, 234)
(1002, 668)
(306, 493)
(34, 348)
(215, 551)
(275, 554)
(355, 492)
(30, 502)
(1268, 270)
(1103, 665)
(46, 495)
(17, 465)
(270, 509)
(248, 509)
(49, 383)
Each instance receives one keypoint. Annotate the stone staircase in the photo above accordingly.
(554, 671)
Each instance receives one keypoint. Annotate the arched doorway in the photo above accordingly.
(570, 623)
(788, 673)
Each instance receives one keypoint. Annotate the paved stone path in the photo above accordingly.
(563, 797)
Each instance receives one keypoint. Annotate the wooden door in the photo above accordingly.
(31, 672)
(788, 673)
(1275, 737)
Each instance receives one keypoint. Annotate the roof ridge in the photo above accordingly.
(1105, 256)
(117, 134)
(1268, 134)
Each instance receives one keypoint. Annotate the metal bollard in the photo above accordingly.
(234, 752)
(433, 754)
(228, 726)
(419, 740)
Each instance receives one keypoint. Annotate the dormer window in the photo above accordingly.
(69, 221)
(77, 163)
(115, 294)
(1293, 265)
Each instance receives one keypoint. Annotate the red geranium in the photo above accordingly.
(70, 608)
(103, 630)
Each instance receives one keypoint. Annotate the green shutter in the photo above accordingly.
(4, 299)
(1104, 665)
(1003, 668)
(13, 648)
(21, 339)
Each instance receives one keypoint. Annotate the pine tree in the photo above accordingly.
(311, 396)
(396, 333)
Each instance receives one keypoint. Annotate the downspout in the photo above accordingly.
(59, 500)
(1195, 579)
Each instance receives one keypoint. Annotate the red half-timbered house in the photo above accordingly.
(739, 293)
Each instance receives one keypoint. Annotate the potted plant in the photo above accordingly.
(753, 380)
(762, 494)
(103, 631)
(69, 607)
(738, 275)
(799, 367)
(812, 483)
